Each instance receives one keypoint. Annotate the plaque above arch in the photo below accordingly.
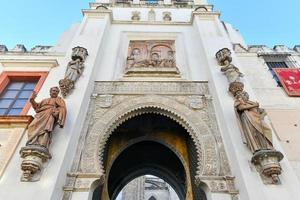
(151, 58)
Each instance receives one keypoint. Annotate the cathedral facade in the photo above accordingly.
(161, 88)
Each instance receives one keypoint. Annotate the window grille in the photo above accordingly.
(272, 65)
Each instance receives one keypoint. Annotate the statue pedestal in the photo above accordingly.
(268, 163)
(33, 158)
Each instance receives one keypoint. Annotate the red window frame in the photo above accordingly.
(7, 76)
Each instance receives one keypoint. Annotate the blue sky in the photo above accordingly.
(34, 22)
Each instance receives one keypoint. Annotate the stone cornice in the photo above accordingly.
(17, 120)
(97, 13)
(150, 22)
(205, 15)
(32, 62)
(131, 5)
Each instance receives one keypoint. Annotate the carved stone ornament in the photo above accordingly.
(256, 133)
(232, 73)
(151, 15)
(50, 112)
(235, 87)
(268, 164)
(223, 55)
(33, 158)
(74, 70)
(151, 57)
(136, 15)
(65, 85)
(196, 102)
(105, 101)
(167, 16)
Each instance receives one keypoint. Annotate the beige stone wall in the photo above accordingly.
(286, 124)
(12, 130)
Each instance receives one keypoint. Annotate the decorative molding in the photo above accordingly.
(14, 62)
(105, 101)
(20, 120)
(151, 87)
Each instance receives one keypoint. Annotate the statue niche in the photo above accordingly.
(151, 57)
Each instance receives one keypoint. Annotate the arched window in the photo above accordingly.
(152, 198)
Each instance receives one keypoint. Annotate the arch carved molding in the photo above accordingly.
(192, 108)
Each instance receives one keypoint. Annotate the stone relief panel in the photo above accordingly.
(187, 103)
(151, 56)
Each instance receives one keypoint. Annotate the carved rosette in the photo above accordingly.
(74, 70)
(33, 158)
(265, 160)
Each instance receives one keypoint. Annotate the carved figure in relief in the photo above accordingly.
(257, 134)
(170, 61)
(49, 112)
(135, 59)
(155, 60)
(144, 54)
(74, 69)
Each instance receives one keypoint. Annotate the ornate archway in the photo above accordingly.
(186, 104)
(201, 134)
(154, 144)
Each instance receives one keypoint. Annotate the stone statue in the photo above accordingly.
(74, 69)
(257, 134)
(232, 73)
(224, 58)
(49, 113)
